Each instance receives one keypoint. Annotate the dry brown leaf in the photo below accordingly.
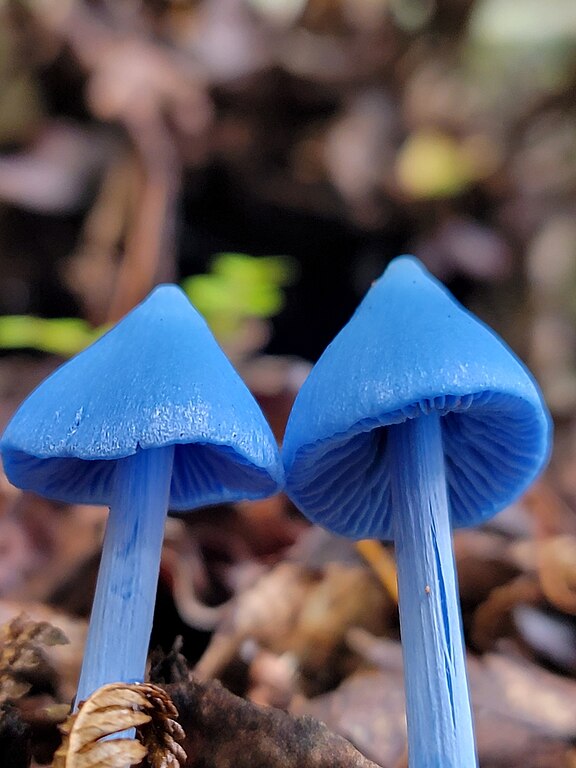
(493, 618)
(109, 710)
(115, 708)
(524, 715)
(306, 612)
(21, 651)
(485, 562)
(258, 613)
(557, 571)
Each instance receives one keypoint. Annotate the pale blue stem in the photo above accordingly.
(439, 718)
(123, 609)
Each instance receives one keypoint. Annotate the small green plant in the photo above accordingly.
(238, 287)
(62, 336)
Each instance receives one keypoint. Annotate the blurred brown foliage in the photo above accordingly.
(137, 139)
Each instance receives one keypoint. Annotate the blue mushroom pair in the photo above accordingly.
(415, 419)
(150, 417)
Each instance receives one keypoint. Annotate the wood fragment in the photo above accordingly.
(382, 563)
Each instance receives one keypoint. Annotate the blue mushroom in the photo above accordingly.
(150, 417)
(417, 418)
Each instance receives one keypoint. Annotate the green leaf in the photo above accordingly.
(63, 336)
(267, 270)
(430, 164)
(238, 287)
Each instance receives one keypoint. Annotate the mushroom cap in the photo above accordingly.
(157, 378)
(411, 349)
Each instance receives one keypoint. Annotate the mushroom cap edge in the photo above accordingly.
(166, 382)
(409, 349)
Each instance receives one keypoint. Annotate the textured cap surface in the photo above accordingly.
(410, 348)
(157, 378)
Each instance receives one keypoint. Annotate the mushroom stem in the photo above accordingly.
(123, 608)
(438, 712)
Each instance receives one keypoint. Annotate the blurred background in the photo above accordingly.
(272, 156)
(141, 138)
